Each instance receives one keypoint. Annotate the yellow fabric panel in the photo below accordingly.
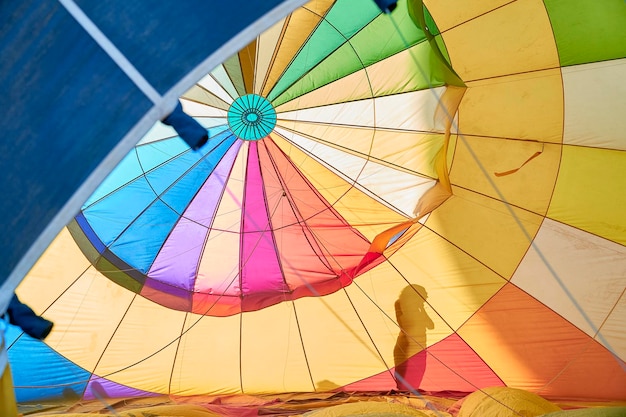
(590, 194)
(8, 407)
(362, 211)
(512, 39)
(376, 295)
(449, 13)
(355, 86)
(488, 230)
(595, 104)
(523, 106)
(267, 42)
(504, 401)
(299, 26)
(488, 166)
(351, 355)
(273, 358)
(568, 260)
(247, 60)
(182, 410)
(457, 285)
(153, 332)
(207, 357)
(60, 265)
(86, 316)
(373, 409)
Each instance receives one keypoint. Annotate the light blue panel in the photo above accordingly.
(40, 373)
(141, 242)
(111, 215)
(152, 156)
(173, 169)
(128, 170)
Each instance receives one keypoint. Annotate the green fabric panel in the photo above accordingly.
(233, 68)
(430, 23)
(442, 47)
(363, 50)
(588, 30)
(343, 20)
(119, 277)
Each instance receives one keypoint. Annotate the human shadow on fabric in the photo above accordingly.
(409, 353)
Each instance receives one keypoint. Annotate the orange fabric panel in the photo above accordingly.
(531, 347)
(247, 59)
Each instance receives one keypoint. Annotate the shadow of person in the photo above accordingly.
(409, 353)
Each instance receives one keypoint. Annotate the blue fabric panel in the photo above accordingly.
(165, 40)
(124, 206)
(85, 227)
(127, 171)
(40, 373)
(182, 191)
(166, 175)
(140, 243)
(65, 105)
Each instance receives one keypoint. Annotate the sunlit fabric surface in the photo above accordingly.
(439, 207)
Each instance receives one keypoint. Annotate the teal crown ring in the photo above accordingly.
(251, 117)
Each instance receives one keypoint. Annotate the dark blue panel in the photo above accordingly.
(65, 105)
(164, 40)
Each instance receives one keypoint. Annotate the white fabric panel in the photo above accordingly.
(355, 113)
(201, 110)
(589, 277)
(213, 86)
(221, 76)
(595, 104)
(409, 111)
(219, 267)
(398, 189)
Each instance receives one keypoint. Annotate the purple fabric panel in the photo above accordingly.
(177, 262)
(260, 270)
(204, 205)
(109, 389)
(178, 259)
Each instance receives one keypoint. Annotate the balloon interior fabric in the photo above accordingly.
(428, 200)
